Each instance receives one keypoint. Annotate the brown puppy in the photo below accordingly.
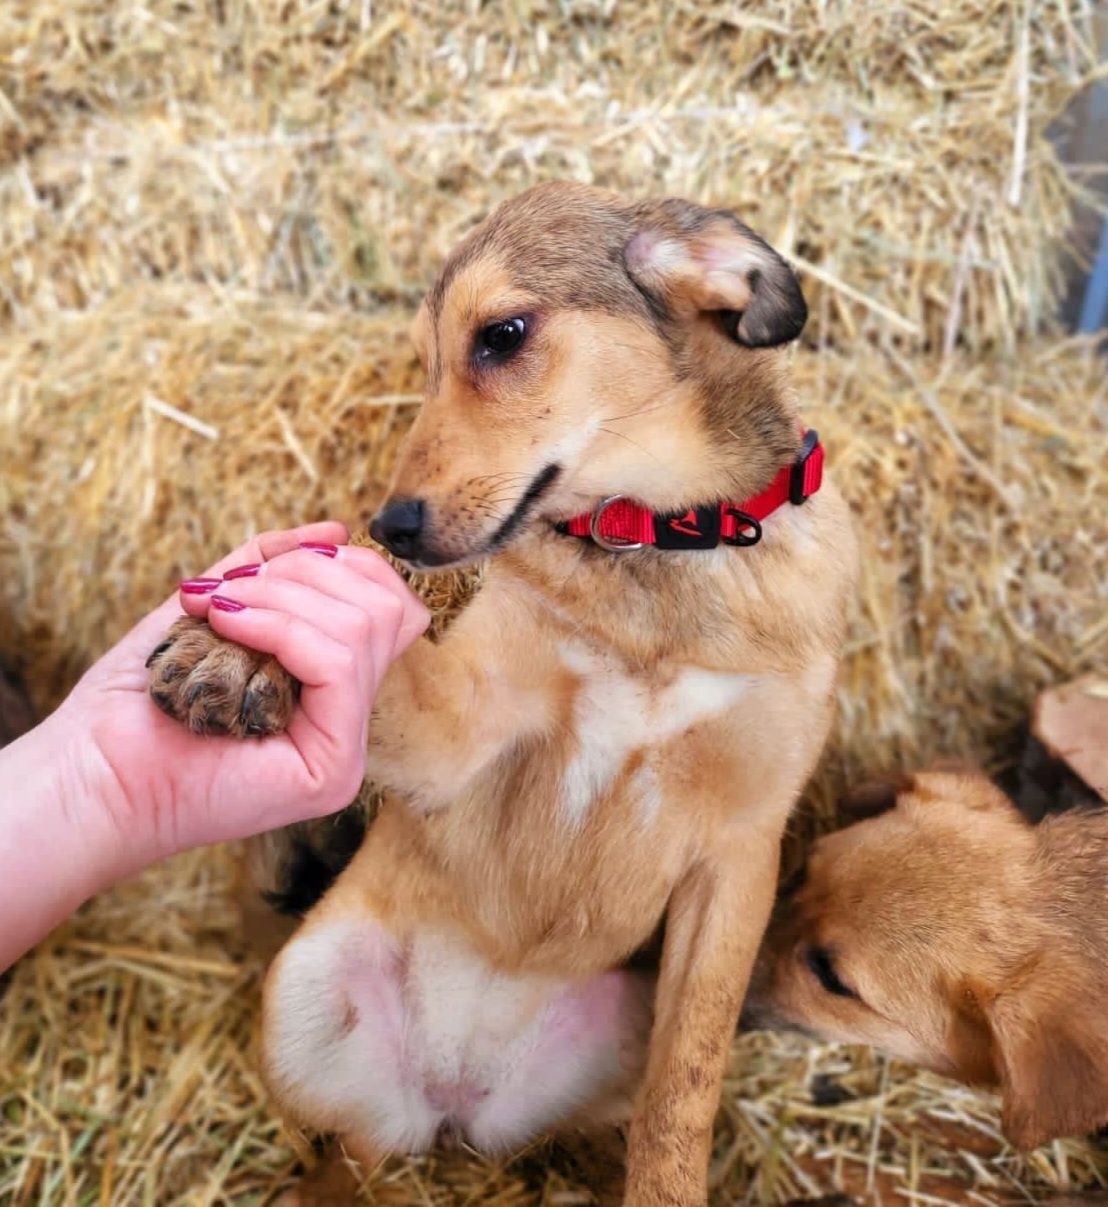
(608, 734)
(951, 932)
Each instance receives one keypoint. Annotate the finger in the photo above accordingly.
(335, 690)
(256, 552)
(377, 569)
(367, 562)
(345, 576)
(151, 628)
(259, 550)
(413, 624)
(326, 532)
(279, 548)
(413, 620)
(366, 618)
(269, 545)
(364, 562)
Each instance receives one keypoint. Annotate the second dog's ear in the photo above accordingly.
(873, 797)
(1050, 1047)
(692, 259)
(962, 783)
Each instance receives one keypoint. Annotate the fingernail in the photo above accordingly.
(199, 586)
(247, 571)
(227, 605)
(320, 547)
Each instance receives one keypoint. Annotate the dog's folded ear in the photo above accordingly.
(950, 781)
(690, 259)
(873, 797)
(955, 780)
(1050, 1051)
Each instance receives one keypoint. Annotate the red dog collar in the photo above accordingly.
(618, 524)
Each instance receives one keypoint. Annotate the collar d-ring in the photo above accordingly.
(612, 545)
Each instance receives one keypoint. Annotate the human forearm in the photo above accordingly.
(55, 851)
(109, 784)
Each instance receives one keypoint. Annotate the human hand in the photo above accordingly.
(142, 786)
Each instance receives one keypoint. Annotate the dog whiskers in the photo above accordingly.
(633, 414)
(501, 479)
(608, 431)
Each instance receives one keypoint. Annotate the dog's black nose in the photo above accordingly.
(398, 526)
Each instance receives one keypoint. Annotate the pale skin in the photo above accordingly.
(107, 784)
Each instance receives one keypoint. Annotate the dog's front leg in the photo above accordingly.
(714, 923)
(447, 711)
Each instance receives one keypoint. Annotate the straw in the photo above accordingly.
(215, 223)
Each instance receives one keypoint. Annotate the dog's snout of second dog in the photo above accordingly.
(399, 526)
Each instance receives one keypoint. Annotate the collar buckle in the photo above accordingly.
(612, 544)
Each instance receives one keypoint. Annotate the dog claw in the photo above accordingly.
(165, 702)
(157, 652)
(213, 723)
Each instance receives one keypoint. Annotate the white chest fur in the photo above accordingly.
(616, 713)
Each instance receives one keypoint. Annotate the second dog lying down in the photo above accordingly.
(950, 932)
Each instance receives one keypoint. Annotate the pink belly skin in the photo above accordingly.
(590, 1036)
(392, 1043)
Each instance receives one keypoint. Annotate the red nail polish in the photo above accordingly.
(247, 571)
(320, 547)
(199, 586)
(227, 605)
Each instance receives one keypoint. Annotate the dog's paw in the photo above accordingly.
(215, 686)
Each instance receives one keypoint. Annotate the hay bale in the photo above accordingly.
(977, 487)
(336, 152)
(214, 222)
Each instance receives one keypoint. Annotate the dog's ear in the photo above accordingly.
(951, 780)
(963, 783)
(1050, 1052)
(690, 259)
(871, 798)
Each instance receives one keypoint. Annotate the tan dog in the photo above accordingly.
(951, 932)
(608, 735)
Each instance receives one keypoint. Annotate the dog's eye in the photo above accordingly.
(499, 340)
(822, 966)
